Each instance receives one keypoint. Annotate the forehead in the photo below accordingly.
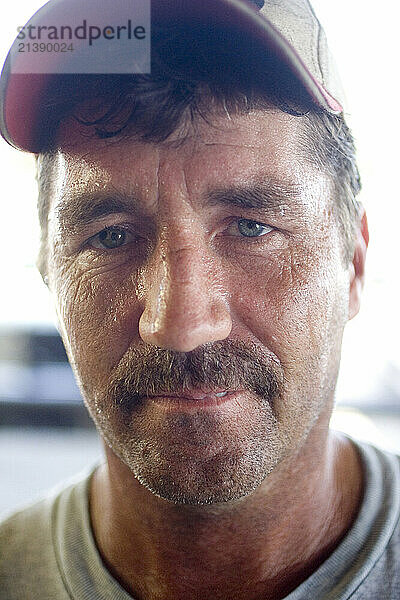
(239, 150)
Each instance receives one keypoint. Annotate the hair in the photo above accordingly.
(183, 87)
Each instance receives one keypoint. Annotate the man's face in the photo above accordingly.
(207, 266)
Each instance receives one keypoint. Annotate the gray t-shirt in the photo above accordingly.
(47, 551)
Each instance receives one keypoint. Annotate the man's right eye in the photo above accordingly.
(111, 238)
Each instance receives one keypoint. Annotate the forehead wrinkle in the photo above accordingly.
(87, 192)
(74, 210)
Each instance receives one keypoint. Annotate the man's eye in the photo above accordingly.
(111, 238)
(248, 228)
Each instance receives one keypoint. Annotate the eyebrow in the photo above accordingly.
(269, 195)
(86, 208)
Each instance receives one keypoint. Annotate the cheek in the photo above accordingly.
(98, 314)
(294, 305)
(290, 300)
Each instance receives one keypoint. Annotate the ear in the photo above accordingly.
(357, 266)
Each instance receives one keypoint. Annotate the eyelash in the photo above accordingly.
(125, 230)
(95, 239)
(257, 237)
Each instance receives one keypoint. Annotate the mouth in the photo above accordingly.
(194, 398)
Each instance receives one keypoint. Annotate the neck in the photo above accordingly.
(262, 546)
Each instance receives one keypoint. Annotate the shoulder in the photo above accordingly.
(28, 556)
(380, 575)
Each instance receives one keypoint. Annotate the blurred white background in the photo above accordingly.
(364, 41)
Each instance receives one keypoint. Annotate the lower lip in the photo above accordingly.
(183, 402)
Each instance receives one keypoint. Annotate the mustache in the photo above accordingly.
(227, 364)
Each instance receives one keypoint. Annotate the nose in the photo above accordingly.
(183, 304)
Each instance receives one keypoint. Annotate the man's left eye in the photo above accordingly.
(248, 228)
(111, 238)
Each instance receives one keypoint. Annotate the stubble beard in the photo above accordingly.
(195, 457)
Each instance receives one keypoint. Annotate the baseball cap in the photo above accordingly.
(284, 33)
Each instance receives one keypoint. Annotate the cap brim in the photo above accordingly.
(23, 94)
